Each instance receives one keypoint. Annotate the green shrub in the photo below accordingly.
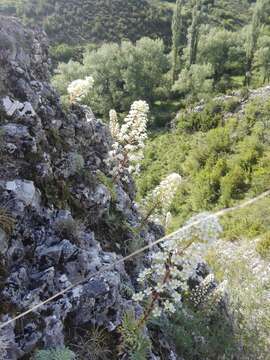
(197, 336)
(263, 246)
(206, 186)
(121, 74)
(219, 166)
(208, 118)
(98, 21)
(206, 149)
(242, 226)
(64, 53)
(248, 301)
(261, 174)
(233, 185)
(135, 344)
(195, 83)
(230, 105)
(247, 223)
(157, 163)
(224, 50)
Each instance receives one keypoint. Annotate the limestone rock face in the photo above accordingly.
(64, 219)
(50, 171)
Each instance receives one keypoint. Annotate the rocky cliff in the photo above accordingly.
(59, 209)
(62, 218)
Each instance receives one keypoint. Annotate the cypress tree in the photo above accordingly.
(194, 33)
(176, 37)
(252, 38)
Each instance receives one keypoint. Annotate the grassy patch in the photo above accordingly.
(248, 302)
(247, 223)
(263, 246)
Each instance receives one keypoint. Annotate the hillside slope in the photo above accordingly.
(82, 21)
(220, 148)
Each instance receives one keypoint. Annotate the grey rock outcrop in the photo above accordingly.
(64, 218)
(50, 187)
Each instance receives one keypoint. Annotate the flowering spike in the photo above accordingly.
(114, 125)
(129, 139)
(157, 204)
(173, 265)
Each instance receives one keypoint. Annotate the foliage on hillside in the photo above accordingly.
(221, 159)
(84, 21)
(122, 74)
(207, 57)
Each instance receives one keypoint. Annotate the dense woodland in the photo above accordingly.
(203, 68)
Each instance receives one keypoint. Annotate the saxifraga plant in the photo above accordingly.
(55, 354)
(134, 343)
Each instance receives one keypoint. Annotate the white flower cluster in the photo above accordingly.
(208, 296)
(129, 139)
(200, 292)
(171, 268)
(79, 89)
(114, 124)
(156, 205)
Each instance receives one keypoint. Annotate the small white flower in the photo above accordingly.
(156, 312)
(159, 288)
(138, 296)
(169, 307)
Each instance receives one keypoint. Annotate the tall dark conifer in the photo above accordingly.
(252, 37)
(176, 37)
(194, 32)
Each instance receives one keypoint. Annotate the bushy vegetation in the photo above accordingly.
(134, 343)
(206, 58)
(64, 52)
(198, 335)
(263, 246)
(195, 82)
(97, 21)
(248, 224)
(223, 157)
(92, 344)
(221, 161)
(248, 300)
(122, 74)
